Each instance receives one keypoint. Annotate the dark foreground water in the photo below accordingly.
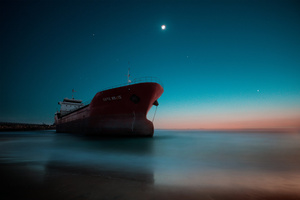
(171, 165)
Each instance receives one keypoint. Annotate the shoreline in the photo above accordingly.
(10, 126)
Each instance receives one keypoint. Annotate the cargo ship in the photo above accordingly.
(117, 111)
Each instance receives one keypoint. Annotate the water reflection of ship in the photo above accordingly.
(126, 159)
(70, 166)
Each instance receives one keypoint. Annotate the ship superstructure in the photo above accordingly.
(69, 105)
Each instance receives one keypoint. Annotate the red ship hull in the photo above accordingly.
(119, 111)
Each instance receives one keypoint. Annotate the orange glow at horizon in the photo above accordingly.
(292, 123)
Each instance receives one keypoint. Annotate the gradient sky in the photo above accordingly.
(224, 64)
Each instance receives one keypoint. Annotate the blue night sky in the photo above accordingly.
(224, 64)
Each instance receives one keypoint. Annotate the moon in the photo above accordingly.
(163, 27)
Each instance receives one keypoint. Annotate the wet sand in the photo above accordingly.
(111, 185)
(172, 165)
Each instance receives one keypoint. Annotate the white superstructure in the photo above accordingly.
(68, 105)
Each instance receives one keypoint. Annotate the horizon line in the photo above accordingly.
(244, 130)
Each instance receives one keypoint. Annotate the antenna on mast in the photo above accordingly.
(73, 93)
(128, 75)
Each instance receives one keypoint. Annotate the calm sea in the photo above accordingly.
(188, 159)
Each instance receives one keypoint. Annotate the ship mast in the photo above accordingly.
(73, 93)
(128, 75)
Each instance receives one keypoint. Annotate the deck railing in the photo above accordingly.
(147, 79)
(137, 80)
